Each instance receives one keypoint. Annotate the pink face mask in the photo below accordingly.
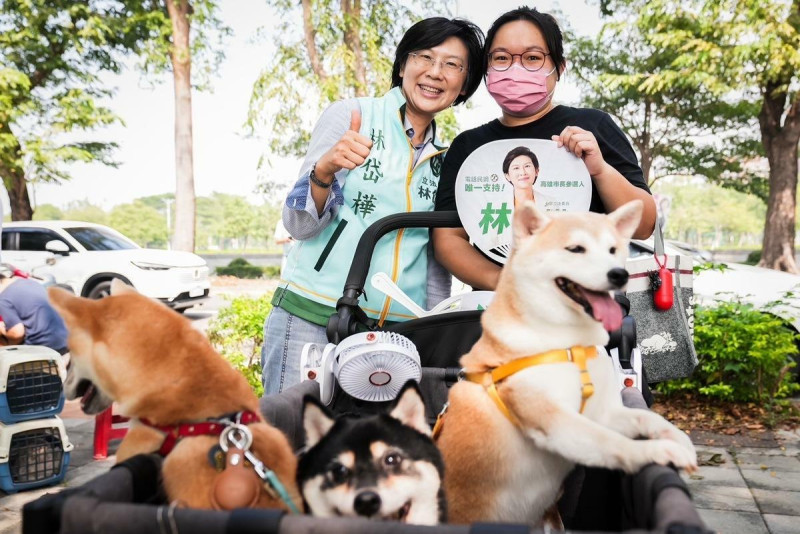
(517, 91)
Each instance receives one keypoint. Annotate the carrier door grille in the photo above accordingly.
(35, 455)
(33, 387)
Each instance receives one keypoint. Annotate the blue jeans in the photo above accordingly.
(284, 337)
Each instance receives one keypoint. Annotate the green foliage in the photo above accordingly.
(223, 218)
(208, 37)
(52, 52)
(140, 222)
(237, 217)
(144, 220)
(728, 39)
(238, 333)
(83, 210)
(753, 258)
(745, 355)
(241, 268)
(678, 126)
(742, 51)
(736, 219)
(272, 271)
(158, 202)
(346, 66)
(47, 212)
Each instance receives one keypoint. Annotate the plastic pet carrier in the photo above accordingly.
(130, 498)
(33, 454)
(31, 383)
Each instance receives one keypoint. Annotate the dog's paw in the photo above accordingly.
(678, 436)
(665, 452)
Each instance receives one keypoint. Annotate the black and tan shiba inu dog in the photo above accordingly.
(381, 466)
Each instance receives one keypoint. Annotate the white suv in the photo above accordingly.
(86, 257)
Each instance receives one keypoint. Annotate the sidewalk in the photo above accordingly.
(82, 467)
(749, 489)
(744, 486)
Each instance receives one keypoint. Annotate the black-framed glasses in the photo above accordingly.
(427, 61)
(532, 60)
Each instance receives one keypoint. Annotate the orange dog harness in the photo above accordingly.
(489, 379)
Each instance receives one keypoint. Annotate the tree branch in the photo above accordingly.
(352, 38)
(311, 44)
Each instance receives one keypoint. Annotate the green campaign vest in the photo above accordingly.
(385, 184)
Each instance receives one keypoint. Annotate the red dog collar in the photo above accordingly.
(211, 427)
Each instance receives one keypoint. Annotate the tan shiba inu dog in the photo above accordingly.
(163, 373)
(530, 409)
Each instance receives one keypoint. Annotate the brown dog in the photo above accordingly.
(529, 409)
(135, 351)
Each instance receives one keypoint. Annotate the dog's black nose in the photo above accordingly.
(618, 276)
(367, 503)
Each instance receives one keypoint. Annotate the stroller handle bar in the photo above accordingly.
(344, 322)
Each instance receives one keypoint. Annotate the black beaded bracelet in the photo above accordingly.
(316, 181)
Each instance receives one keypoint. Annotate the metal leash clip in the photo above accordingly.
(236, 436)
(240, 437)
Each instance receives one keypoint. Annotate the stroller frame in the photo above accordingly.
(129, 498)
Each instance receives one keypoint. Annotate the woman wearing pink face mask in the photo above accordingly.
(524, 62)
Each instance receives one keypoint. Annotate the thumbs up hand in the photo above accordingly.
(348, 153)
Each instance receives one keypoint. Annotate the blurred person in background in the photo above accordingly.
(27, 316)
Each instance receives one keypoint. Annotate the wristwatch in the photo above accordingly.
(314, 180)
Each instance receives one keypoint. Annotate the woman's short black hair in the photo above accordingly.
(546, 23)
(514, 153)
(431, 32)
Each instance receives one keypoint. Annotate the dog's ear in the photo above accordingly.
(67, 305)
(528, 220)
(317, 420)
(410, 409)
(626, 218)
(118, 287)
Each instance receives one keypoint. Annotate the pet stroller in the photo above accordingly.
(129, 498)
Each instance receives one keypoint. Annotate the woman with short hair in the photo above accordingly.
(369, 158)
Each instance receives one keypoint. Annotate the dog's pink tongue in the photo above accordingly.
(604, 308)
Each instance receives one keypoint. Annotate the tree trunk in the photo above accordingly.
(779, 230)
(13, 176)
(780, 143)
(646, 150)
(183, 236)
(310, 36)
(21, 209)
(352, 38)
(17, 188)
(647, 166)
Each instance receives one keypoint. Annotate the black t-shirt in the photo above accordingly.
(616, 149)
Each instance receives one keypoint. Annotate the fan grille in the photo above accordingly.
(375, 370)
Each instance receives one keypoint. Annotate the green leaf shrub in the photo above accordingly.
(744, 354)
(272, 271)
(753, 258)
(238, 334)
(241, 268)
